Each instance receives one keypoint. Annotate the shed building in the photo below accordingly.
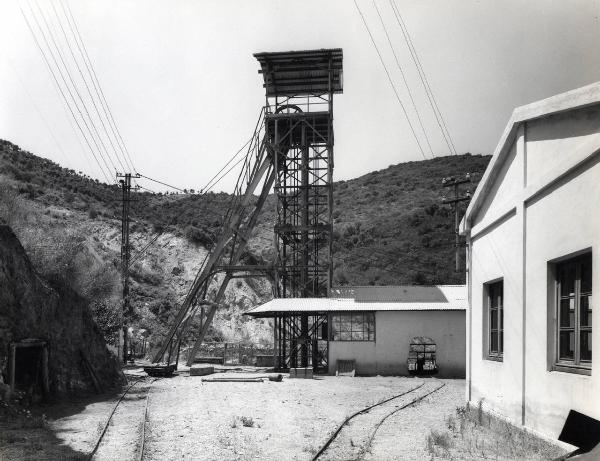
(372, 326)
(533, 234)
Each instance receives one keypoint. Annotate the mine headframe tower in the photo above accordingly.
(299, 88)
(291, 150)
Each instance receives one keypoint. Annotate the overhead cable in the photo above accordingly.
(391, 81)
(425, 82)
(62, 94)
(92, 98)
(90, 67)
(68, 73)
(412, 100)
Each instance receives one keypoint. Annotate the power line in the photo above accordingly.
(86, 86)
(60, 55)
(60, 89)
(38, 111)
(230, 160)
(160, 182)
(390, 80)
(403, 78)
(205, 191)
(96, 82)
(430, 96)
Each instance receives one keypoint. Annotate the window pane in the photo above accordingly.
(334, 330)
(371, 319)
(494, 342)
(345, 336)
(357, 336)
(585, 313)
(500, 319)
(345, 324)
(586, 345)
(495, 292)
(567, 345)
(586, 274)
(493, 319)
(567, 279)
(567, 313)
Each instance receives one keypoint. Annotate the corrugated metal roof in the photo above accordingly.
(290, 73)
(400, 294)
(455, 299)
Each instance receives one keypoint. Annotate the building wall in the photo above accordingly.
(553, 211)
(497, 255)
(563, 222)
(388, 354)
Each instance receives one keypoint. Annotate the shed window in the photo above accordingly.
(574, 312)
(353, 327)
(495, 300)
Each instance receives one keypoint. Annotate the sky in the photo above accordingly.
(183, 87)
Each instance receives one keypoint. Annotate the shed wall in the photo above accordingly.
(388, 354)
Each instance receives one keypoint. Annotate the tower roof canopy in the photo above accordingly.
(295, 73)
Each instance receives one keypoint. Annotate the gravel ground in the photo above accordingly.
(191, 419)
(289, 420)
(404, 434)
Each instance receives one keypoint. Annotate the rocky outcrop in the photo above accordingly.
(31, 308)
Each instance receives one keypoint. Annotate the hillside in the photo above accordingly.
(389, 228)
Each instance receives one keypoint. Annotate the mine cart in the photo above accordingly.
(421, 356)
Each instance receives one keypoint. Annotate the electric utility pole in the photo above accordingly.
(453, 202)
(125, 182)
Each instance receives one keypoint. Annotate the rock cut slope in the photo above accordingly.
(31, 308)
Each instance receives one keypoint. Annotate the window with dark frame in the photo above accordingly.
(353, 327)
(574, 312)
(495, 293)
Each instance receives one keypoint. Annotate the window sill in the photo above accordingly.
(494, 358)
(571, 369)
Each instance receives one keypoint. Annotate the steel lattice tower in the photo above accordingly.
(299, 88)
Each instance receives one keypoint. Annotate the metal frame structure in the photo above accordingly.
(299, 89)
(292, 150)
(302, 340)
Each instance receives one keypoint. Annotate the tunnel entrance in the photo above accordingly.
(28, 368)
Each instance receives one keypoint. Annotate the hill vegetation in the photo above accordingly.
(389, 228)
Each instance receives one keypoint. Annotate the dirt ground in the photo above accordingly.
(188, 418)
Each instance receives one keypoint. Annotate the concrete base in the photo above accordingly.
(301, 373)
(201, 370)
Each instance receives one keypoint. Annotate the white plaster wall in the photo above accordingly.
(388, 354)
(506, 188)
(551, 139)
(498, 254)
(564, 221)
(549, 195)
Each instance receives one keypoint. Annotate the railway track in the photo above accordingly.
(119, 439)
(348, 441)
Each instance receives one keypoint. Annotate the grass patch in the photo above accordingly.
(474, 434)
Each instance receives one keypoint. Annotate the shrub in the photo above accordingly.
(197, 235)
(247, 421)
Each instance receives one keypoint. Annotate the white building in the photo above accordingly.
(372, 327)
(533, 235)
